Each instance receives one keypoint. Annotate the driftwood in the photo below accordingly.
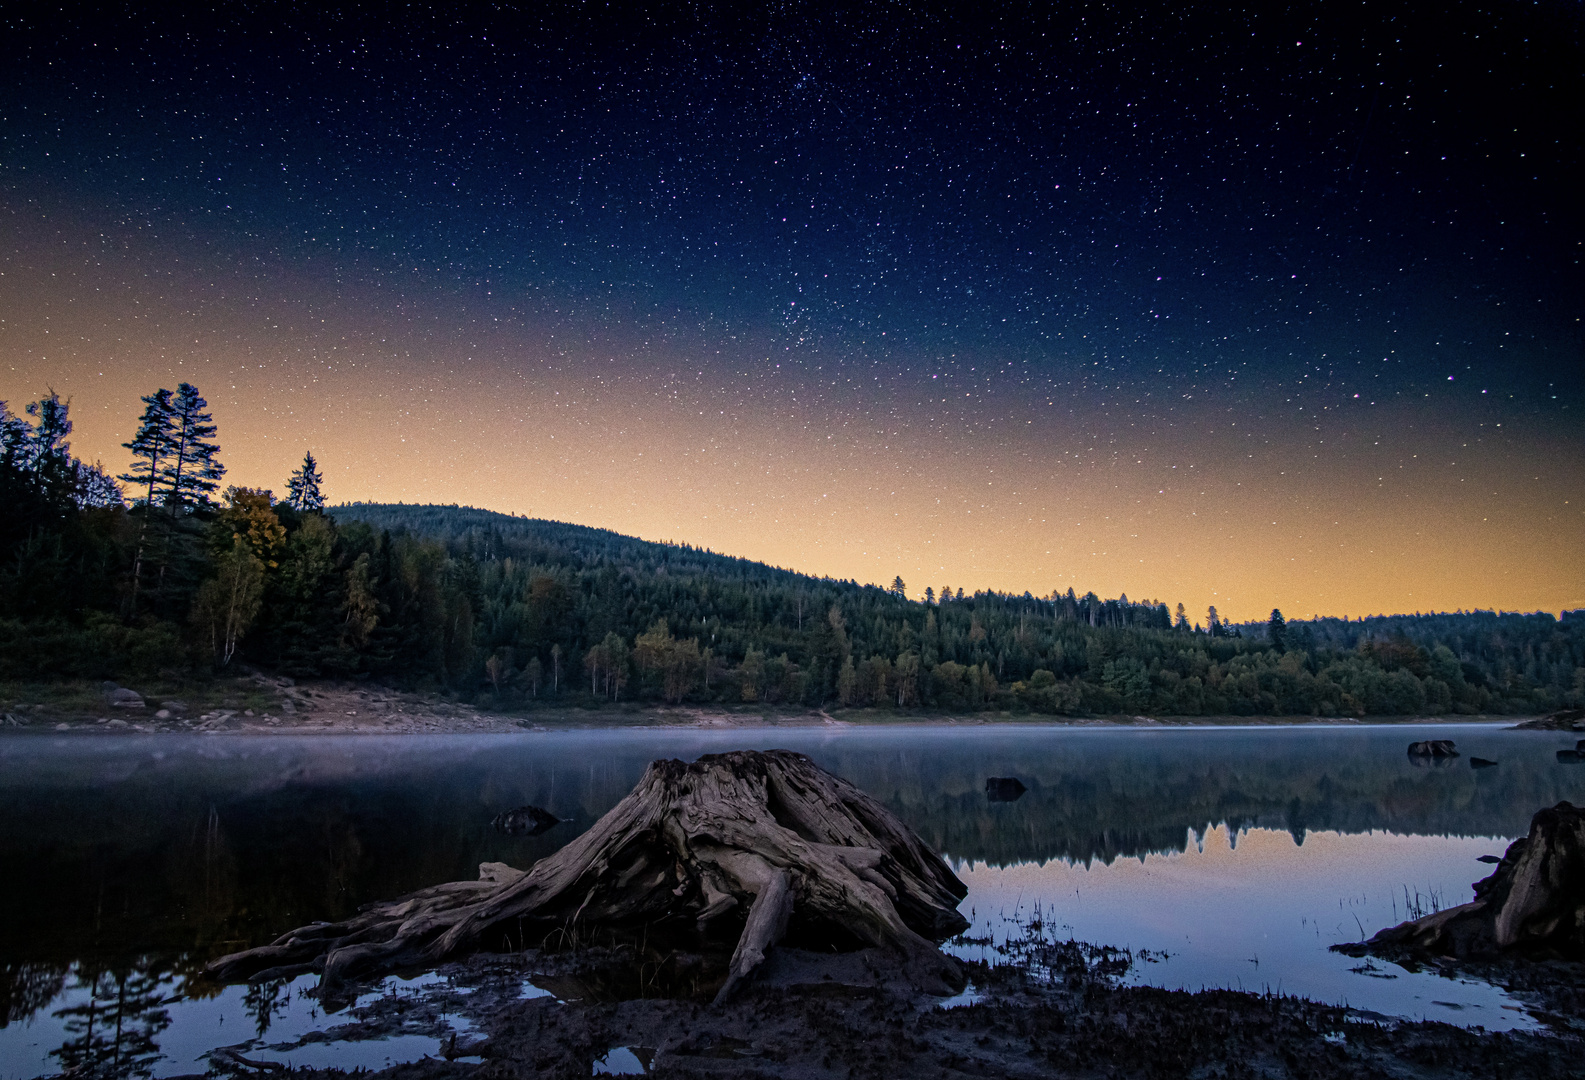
(1533, 902)
(746, 843)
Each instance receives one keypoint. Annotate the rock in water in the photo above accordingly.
(1534, 902)
(525, 821)
(1433, 748)
(745, 845)
(1004, 789)
(1481, 763)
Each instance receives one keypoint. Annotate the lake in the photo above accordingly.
(1229, 856)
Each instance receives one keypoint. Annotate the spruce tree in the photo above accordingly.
(302, 487)
(193, 470)
(1277, 630)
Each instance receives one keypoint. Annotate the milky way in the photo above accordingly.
(1261, 308)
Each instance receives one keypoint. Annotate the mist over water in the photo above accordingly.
(1242, 853)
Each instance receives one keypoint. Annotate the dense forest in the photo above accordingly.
(159, 570)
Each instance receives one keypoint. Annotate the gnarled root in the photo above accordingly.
(767, 837)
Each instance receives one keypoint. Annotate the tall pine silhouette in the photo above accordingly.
(151, 445)
(193, 470)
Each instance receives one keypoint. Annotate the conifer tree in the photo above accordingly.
(151, 446)
(302, 487)
(94, 489)
(49, 451)
(151, 449)
(1277, 630)
(14, 432)
(193, 470)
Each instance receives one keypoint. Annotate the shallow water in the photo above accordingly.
(1241, 853)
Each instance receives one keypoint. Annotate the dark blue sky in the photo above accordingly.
(1029, 237)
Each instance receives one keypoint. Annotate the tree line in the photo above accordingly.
(149, 571)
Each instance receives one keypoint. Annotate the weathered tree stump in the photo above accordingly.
(1533, 902)
(746, 842)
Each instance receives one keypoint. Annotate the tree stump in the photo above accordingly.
(1534, 901)
(745, 842)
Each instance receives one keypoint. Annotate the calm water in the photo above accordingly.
(1239, 854)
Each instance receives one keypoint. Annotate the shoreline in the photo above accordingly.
(1056, 1009)
(260, 705)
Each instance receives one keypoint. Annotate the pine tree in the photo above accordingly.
(151, 451)
(193, 470)
(151, 446)
(898, 589)
(302, 487)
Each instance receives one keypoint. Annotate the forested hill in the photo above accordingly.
(172, 574)
(736, 630)
(489, 535)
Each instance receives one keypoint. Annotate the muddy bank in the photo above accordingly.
(1058, 1011)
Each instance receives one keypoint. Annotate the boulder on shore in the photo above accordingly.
(122, 698)
(1532, 904)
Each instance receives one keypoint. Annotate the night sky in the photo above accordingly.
(1277, 307)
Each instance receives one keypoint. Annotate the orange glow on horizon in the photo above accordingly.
(549, 417)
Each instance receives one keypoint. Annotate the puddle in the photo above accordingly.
(968, 996)
(528, 992)
(625, 1061)
(147, 1024)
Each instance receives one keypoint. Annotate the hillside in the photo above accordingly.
(517, 613)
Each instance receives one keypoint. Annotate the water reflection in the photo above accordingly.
(148, 1020)
(183, 848)
(1254, 911)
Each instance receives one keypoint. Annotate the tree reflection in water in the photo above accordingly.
(264, 1001)
(114, 1032)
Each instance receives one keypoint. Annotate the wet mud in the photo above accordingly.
(1057, 1011)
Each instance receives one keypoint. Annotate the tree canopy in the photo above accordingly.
(516, 612)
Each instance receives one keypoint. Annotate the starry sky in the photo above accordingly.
(1254, 307)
